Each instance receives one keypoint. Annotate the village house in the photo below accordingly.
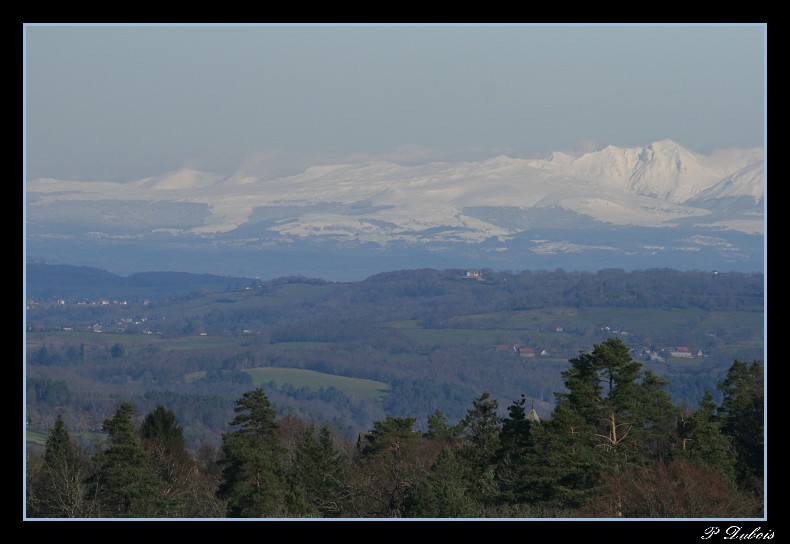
(680, 351)
(473, 275)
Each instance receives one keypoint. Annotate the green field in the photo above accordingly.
(39, 437)
(297, 377)
(36, 436)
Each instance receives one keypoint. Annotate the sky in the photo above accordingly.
(121, 102)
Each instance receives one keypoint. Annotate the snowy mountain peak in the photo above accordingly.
(663, 169)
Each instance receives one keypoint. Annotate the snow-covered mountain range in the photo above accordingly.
(494, 200)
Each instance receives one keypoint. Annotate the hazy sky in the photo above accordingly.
(125, 102)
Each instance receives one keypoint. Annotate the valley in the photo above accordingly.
(402, 343)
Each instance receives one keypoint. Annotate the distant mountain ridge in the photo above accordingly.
(407, 200)
(43, 281)
(493, 205)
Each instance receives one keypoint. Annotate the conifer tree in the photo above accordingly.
(59, 489)
(563, 467)
(742, 413)
(654, 419)
(443, 493)
(480, 429)
(392, 461)
(607, 399)
(162, 434)
(317, 477)
(252, 479)
(163, 439)
(128, 483)
(440, 429)
(702, 442)
(511, 456)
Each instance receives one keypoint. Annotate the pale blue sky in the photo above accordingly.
(125, 102)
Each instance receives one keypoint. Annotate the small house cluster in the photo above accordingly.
(473, 275)
(660, 356)
(683, 351)
(521, 351)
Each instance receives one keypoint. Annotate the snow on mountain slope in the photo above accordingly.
(746, 182)
(663, 169)
(656, 185)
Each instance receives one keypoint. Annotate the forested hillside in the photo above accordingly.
(614, 446)
(401, 344)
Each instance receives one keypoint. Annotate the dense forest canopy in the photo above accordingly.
(615, 446)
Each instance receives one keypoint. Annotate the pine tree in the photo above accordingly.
(702, 442)
(392, 460)
(480, 429)
(584, 389)
(252, 479)
(605, 395)
(595, 425)
(742, 413)
(163, 439)
(563, 467)
(655, 421)
(443, 493)
(440, 429)
(162, 434)
(127, 480)
(511, 457)
(59, 487)
(317, 477)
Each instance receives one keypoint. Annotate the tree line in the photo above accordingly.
(614, 446)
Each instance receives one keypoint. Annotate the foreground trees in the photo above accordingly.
(252, 480)
(614, 446)
(743, 417)
(60, 487)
